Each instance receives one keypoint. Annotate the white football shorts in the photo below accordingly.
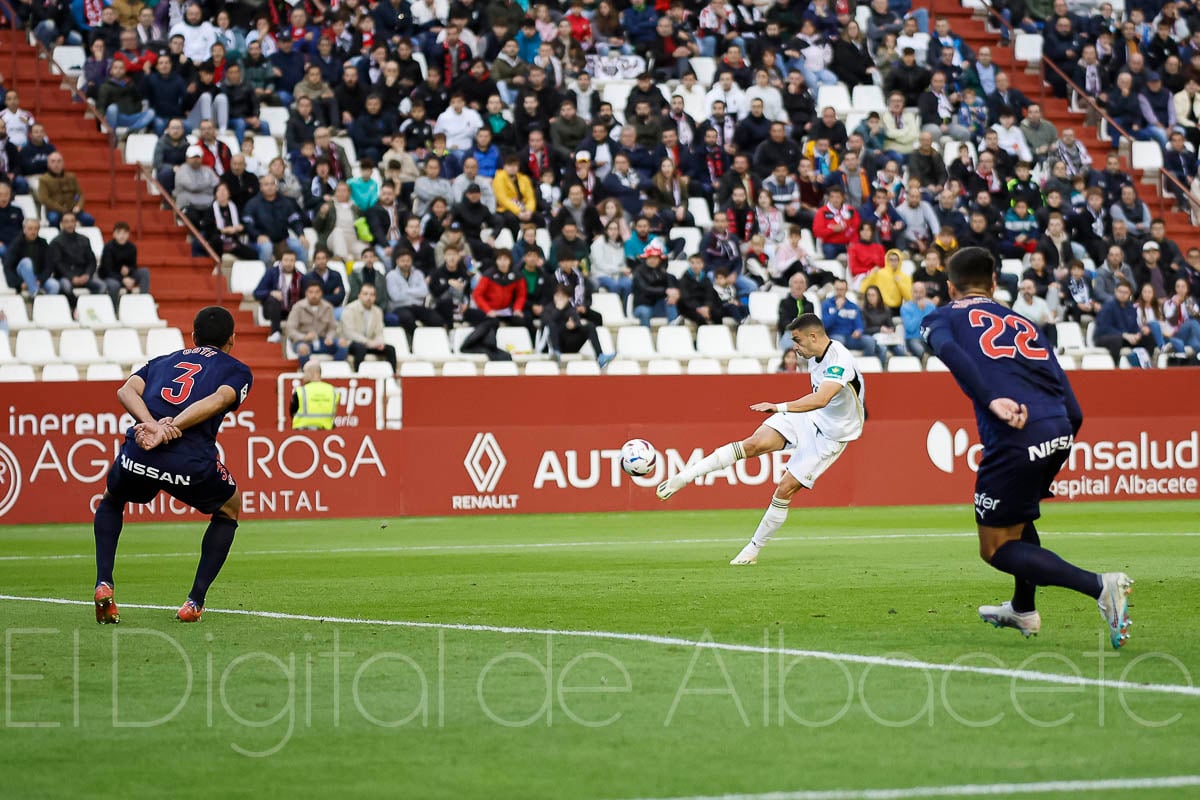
(813, 453)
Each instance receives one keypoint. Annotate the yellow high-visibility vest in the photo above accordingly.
(318, 406)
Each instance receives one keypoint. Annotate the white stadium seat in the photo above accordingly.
(867, 98)
(276, 118)
(139, 148)
(704, 366)
(541, 368)
(715, 341)
(266, 148)
(60, 373)
(1068, 362)
(935, 364)
(398, 339)
(608, 305)
(764, 308)
(78, 346)
(123, 346)
(744, 366)
(623, 366)
(868, 364)
(514, 340)
(634, 342)
(675, 341)
(417, 369)
(93, 235)
(69, 57)
(904, 364)
(705, 69)
(1028, 48)
(105, 372)
(835, 96)
(53, 312)
(13, 308)
(139, 311)
(16, 373)
(342, 369)
(35, 346)
(431, 344)
(698, 207)
(96, 311)
(459, 369)
(161, 341)
(664, 366)
(6, 356)
(367, 369)
(1088, 361)
(501, 368)
(756, 341)
(245, 275)
(691, 239)
(583, 368)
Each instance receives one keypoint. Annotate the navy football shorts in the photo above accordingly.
(204, 487)
(1015, 474)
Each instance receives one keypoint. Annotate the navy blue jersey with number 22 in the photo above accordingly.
(1010, 358)
(178, 380)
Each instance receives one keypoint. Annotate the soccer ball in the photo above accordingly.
(638, 457)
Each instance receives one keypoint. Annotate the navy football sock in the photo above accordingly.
(107, 527)
(1023, 592)
(213, 552)
(1042, 567)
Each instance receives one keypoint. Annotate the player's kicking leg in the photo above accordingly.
(1011, 550)
(764, 440)
(218, 539)
(772, 520)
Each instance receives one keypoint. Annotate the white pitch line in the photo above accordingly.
(450, 548)
(1031, 676)
(968, 790)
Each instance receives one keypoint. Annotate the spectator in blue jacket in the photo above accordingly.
(912, 313)
(274, 221)
(639, 22)
(165, 90)
(279, 290)
(1117, 324)
(289, 66)
(486, 154)
(844, 321)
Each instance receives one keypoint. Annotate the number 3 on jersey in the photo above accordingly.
(185, 382)
(1023, 342)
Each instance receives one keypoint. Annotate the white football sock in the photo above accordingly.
(720, 458)
(772, 521)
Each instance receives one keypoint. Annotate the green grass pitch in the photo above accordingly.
(254, 706)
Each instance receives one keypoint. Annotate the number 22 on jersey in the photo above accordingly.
(183, 383)
(1023, 342)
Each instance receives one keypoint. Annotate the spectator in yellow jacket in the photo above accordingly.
(516, 201)
(894, 284)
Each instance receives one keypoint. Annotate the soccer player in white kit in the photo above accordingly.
(817, 426)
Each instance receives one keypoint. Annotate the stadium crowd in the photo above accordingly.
(477, 127)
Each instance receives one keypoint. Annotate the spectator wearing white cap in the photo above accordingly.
(194, 182)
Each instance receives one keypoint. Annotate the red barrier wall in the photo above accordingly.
(488, 445)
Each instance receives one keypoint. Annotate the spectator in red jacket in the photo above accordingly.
(865, 254)
(835, 223)
(500, 294)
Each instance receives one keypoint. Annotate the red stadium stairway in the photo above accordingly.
(972, 29)
(181, 283)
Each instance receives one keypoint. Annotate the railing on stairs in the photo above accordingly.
(1179, 190)
(145, 173)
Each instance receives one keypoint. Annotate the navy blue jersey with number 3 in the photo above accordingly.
(178, 380)
(1000, 354)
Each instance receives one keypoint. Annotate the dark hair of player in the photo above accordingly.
(971, 269)
(213, 327)
(806, 322)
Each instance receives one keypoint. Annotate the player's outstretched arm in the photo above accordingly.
(810, 402)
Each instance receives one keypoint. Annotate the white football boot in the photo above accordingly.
(748, 557)
(1003, 616)
(1114, 606)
